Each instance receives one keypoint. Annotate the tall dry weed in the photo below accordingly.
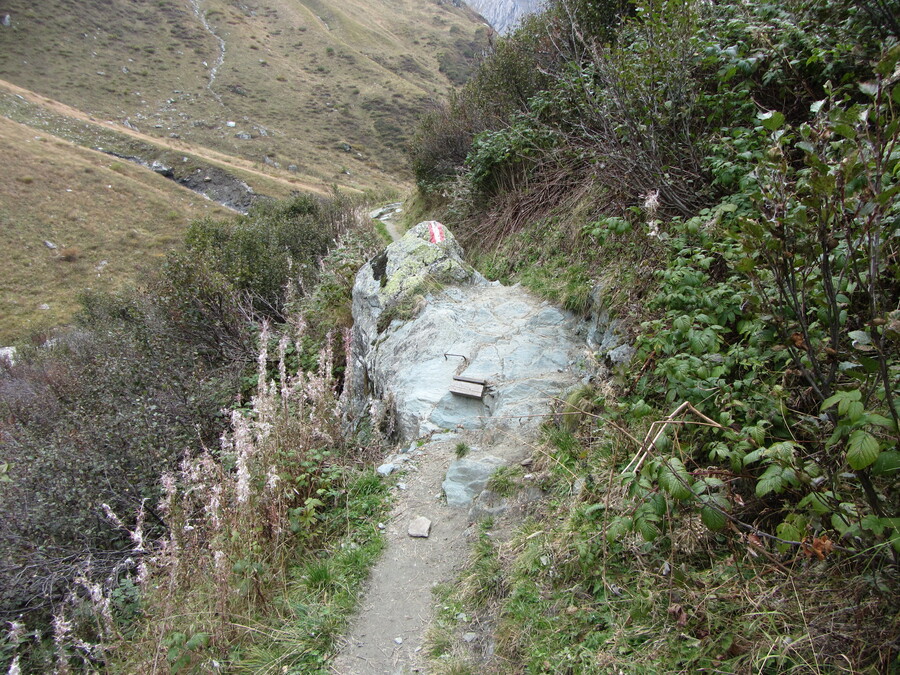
(235, 515)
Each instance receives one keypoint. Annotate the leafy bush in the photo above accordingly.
(781, 334)
(634, 102)
(266, 257)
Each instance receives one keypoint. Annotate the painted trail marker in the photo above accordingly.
(437, 232)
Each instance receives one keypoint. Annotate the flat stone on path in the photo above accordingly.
(386, 469)
(420, 527)
(467, 477)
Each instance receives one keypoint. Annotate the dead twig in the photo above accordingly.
(659, 426)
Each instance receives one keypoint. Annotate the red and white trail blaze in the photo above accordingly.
(437, 232)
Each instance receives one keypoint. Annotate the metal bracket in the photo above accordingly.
(459, 355)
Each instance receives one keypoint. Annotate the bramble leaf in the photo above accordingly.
(771, 120)
(862, 449)
(645, 522)
(772, 480)
(674, 478)
(887, 464)
(619, 526)
(712, 518)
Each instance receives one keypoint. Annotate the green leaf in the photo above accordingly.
(887, 464)
(844, 130)
(818, 502)
(197, 641)
(771, 481)
(879, 421)
(771, 120)
(817, 106)
(674, 478)
(641, 409)
(842, 399)
(862, 449)
(855, 410)
(788, 531)
(859, 337)
(619, 526)
(874, 524)
(868, 88)
(645, 522)
(713, 518)
(754, 456)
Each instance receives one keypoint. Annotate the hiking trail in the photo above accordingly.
(422, 316)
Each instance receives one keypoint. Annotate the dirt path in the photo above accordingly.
(388, 635)
(390, 215)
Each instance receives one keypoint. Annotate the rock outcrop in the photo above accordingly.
(504, 15)
(605, 336)
(422, 315)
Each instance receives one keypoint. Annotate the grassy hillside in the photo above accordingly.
(109, 220)
(285, 96)
(329, 88)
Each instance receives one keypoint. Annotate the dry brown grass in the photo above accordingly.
(108, 225)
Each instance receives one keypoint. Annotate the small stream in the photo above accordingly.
(220, 59)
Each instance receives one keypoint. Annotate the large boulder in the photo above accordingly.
(391, 285)
(422, 315)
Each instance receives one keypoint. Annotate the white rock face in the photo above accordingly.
(504, 15)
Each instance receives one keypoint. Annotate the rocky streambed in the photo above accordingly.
(207, 180)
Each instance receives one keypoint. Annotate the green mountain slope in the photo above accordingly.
(328, 88)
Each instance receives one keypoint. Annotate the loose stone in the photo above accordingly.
(420, 527)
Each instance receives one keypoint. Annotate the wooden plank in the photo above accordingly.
(470, 389)
(473, 380)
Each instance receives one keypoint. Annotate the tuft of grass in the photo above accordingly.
(462, 449)
(70, 254)
(320, 576)
(504, 481)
